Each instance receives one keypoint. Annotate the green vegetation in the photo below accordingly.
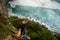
(35, 30)
(6, 29)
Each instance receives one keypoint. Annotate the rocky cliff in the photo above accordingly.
(4, 11)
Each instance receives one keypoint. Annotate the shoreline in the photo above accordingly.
(57, 35)
(31, 19)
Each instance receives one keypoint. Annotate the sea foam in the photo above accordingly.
(31, 19)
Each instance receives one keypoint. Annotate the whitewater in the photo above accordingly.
(46, 12)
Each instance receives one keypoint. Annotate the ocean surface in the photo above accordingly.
(49, 14)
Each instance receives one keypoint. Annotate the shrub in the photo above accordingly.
(35, 30)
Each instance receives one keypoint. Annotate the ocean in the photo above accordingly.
(49, 14)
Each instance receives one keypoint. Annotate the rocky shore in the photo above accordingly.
(57, 35)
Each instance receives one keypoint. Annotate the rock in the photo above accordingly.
(4, 11)
(57, 35)
(9, 37)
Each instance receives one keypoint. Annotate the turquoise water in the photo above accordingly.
(50, 17)
(56, 1)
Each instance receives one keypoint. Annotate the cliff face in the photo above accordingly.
(3, 16)
(4, 11)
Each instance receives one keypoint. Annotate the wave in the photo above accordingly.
(37, 3)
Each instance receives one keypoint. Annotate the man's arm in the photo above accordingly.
(19, 32)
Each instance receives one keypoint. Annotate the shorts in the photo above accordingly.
(25, 36)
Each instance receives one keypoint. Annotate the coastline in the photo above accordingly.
(29, 18)
(32, 19)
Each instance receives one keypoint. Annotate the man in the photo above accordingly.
(21, 31)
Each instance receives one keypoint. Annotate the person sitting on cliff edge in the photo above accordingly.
(21, 29)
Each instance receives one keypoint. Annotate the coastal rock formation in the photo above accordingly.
(57, 35)
(4, 11)
(3, 16)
